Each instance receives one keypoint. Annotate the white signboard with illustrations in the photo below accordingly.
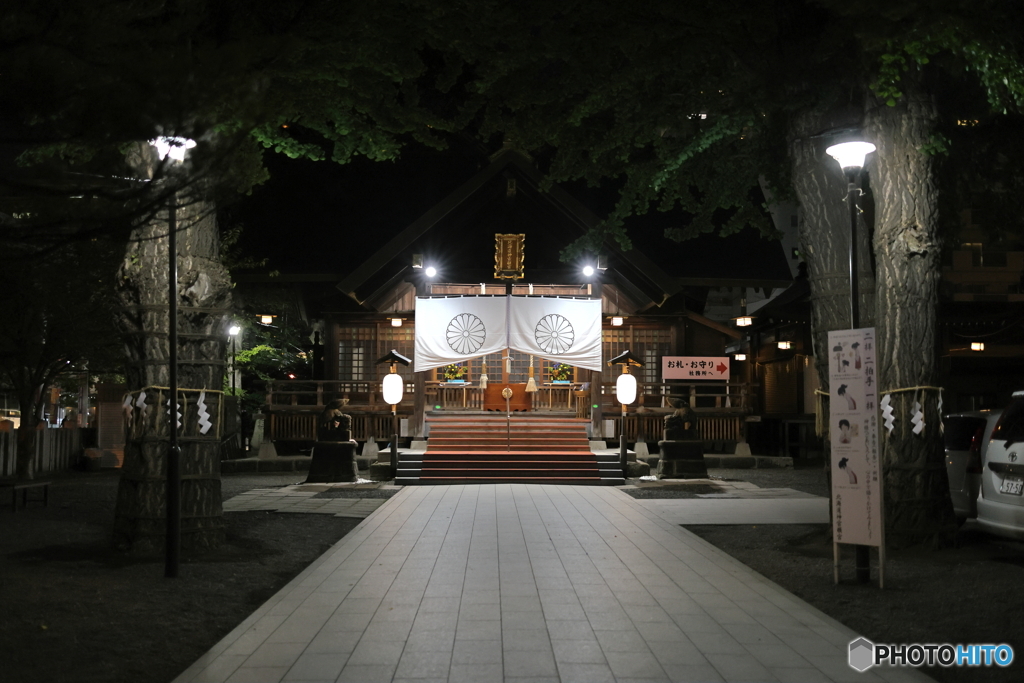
(853, 427)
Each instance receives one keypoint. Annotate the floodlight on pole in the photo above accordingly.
(588, 270)
(233, 331)
(430, 271)
(173, 148)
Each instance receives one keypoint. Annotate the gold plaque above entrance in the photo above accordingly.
(508, 256)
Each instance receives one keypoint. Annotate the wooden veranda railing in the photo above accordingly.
(293, 407)
(301, 425)
(712, 427)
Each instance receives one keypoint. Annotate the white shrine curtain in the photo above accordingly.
(558, 329)
(455, 329)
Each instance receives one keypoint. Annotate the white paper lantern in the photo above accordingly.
(625, 388)
(393, 387)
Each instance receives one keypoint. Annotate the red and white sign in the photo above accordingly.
(695, 367)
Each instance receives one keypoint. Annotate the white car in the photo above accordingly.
(964, 435)
(1001, 503)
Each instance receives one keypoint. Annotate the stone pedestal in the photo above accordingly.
(333, 461)
(637, 468)
(682, 460)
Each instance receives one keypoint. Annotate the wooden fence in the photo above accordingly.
(711, 427)
(301, 426)
(56, 450)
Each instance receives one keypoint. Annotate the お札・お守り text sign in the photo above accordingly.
(695, 367)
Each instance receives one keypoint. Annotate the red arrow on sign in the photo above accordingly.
(721, 367)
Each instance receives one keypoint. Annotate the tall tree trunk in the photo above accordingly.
(824, 234)
(204, 294)
(917, 502)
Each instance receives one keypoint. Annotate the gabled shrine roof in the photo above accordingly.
(458, 232)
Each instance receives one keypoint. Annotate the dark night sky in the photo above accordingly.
(319, 216)
(322, 217)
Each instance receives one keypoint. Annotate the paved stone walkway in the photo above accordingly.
(302, 498)
(535, 583)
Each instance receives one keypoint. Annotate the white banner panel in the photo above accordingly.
(560, 330)
(455, 329)
(853, 426)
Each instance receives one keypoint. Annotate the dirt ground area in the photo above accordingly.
(968, 594)
(76, 610)
(73, 609)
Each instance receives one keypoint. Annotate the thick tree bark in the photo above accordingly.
(906, 245)
(824, 234)
(204, 294)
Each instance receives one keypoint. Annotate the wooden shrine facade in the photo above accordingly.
(373, 312)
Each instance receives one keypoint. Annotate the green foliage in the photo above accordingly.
(454, 371)
(561, 372)
(938, 144)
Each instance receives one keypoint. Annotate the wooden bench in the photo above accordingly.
(25, 487)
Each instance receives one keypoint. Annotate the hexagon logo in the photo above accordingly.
(862, 654)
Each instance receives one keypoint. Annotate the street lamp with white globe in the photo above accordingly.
(175, 149)
(851, 156)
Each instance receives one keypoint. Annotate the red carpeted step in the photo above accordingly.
(578, 481)
(483, 449)
(548, 456)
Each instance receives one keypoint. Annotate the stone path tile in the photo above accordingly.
(515, 583)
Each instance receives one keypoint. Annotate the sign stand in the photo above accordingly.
(857, 501)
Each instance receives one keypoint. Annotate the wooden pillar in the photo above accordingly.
(419, 399)
(419, 405)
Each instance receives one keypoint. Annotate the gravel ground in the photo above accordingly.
(960, 595)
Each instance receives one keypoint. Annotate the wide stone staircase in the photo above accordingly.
(490, 448)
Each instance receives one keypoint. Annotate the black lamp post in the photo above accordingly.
(234, 331)
(850, 156)
(174, 149)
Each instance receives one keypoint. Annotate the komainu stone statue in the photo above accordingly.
(682, 450)
(334, 452)
(682, 424)
(334, 424)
